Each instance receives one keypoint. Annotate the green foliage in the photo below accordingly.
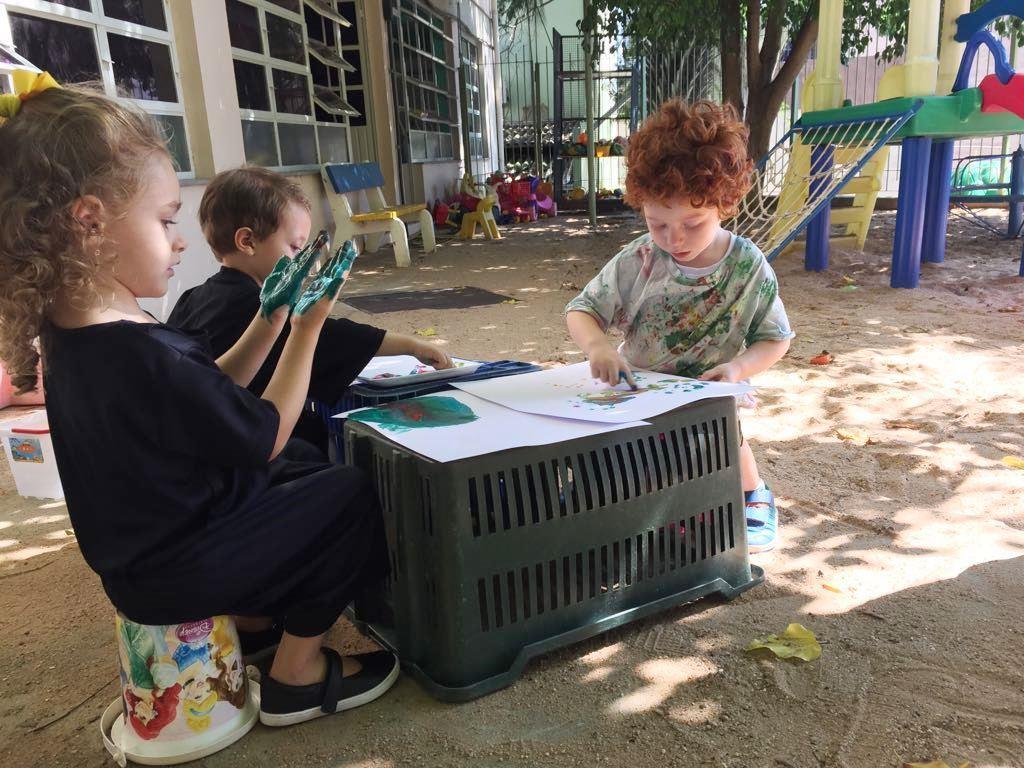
(701, 21)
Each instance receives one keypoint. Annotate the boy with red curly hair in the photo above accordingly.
(692, 298)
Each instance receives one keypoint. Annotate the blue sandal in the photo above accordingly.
(762, 520)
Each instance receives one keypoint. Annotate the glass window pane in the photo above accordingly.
(418, 141)
(142, 69)
(258, 138)
(291, 5)
(354, 78)
(66, 51)
(291, 92)
(357, 100)
(82, 5)
(173, 128)
(7, 57)
(333, 146)
(251, 84)
(319, 71)
(244, 27)
(148, 13)
(298, 144)
(285, 39)
(348, 35)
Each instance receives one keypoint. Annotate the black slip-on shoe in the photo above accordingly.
(282, 704)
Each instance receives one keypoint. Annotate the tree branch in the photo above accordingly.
(753, 40)
(772, 36)
(800, 50)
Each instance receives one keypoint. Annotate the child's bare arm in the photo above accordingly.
(242, 362)
(605, 362)
(290, 383)
(428, 354)
(757, 358)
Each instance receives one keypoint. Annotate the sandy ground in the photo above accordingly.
(903, 555)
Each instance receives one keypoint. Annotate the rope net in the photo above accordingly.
(807, 168)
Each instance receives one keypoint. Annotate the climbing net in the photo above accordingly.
(803, 172)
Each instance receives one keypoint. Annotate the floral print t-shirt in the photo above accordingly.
(685, 325)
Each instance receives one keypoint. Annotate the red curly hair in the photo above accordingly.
(694, 150)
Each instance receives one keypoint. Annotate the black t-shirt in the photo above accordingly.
(226, 303)
(156, 447)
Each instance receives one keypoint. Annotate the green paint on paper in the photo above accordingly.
(422, 413)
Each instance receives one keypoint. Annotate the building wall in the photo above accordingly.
(203, 51)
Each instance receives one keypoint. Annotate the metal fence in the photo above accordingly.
(628, 87)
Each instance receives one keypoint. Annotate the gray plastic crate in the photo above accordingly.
(499, 558)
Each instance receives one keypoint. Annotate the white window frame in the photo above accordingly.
(337, 61)
(402, 79)
(269, 64)
(478, 112)
(359, 49)
(101, 25)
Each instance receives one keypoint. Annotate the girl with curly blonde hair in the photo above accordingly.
(692, 298)
(170, 467)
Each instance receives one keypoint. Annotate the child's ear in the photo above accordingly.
(89, 211)
(245, 242)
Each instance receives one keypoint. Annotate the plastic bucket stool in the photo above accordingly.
(29, 450)
(184, 692)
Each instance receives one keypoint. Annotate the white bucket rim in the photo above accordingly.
(112, 721)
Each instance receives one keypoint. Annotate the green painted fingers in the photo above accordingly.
(283, 285)
(330, 279)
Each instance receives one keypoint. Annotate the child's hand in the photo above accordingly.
(606, 364)
(728, 372)
(283, 285)
(430, 355)
(316, 312)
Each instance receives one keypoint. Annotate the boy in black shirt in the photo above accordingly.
(251, 217)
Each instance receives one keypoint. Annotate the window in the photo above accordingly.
(72, 39)
(474, 115)
(424, 83)
(287, 73)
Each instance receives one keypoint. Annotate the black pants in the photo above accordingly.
(302, 550)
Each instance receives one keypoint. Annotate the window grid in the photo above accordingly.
(170, 114)
(424, 83)
(470, 55)
(294, 117)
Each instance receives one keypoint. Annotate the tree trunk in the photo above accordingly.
(732, 69)
(766, 97)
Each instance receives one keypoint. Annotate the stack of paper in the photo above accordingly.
(538, 408)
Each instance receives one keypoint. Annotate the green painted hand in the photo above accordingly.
(330, 279)
(283, 285)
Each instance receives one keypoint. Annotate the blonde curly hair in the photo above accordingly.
(63, 143)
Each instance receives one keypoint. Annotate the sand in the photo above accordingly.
(903, 553)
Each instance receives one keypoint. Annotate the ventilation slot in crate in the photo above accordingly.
(515, 595)
(559, 487)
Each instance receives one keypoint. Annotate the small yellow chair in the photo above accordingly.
(341, 179)
(482, 216)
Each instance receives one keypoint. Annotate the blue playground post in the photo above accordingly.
(1016, 217)
(906, 248)
(819, 227)
(936, 209)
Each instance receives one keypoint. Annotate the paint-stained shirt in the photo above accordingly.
(680, 324)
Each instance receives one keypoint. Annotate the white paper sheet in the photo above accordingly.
(571, 393)
(455, 425)
(398, 370)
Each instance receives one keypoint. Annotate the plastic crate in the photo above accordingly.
(367, 396)
(499, 558)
